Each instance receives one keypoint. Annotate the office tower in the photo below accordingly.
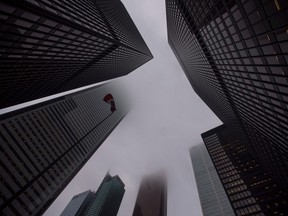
(152, 196)
(44, 146)
(234, 53)
(48, 47)
(213, 198)
(250, 189)
(104, 202)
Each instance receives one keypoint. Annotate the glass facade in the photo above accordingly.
(104, 202)
(234, 53)
(45, 145)
(77, 203)
(250, 189)
(48, 47)
(213, 198)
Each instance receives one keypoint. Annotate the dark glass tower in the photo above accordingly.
(213, 198)
(45, 145)
(104, 202)
(235, 54)
(250, 189)
(152, 196)
(47, 47)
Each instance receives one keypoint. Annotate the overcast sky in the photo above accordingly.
(167, 119)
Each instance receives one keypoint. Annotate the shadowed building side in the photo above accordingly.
(235, 57)
(48, 47)
(44, 146)
(250, 189)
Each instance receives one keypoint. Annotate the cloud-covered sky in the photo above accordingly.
(166, 120)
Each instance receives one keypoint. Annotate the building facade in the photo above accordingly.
(213, 198)
(45, 145)
(104, 202)
(48, 47)
(152, 196)
(250, 189)
(234, 53)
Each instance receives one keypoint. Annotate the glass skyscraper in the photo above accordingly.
(45, 145)
(152, 196)
(48, 47)
(250, 189)
(234, 53)
(213, 198)
(104, 202)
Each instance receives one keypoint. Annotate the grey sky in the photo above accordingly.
(167, 119)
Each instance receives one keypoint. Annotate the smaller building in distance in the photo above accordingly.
(152, 196)
(104, 202)
(213, 198)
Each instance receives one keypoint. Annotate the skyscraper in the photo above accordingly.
(45, 145)
(48, 47)
(213, 198)
(234, 53)
(250, 189)
(152, 196)
(104, 202)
